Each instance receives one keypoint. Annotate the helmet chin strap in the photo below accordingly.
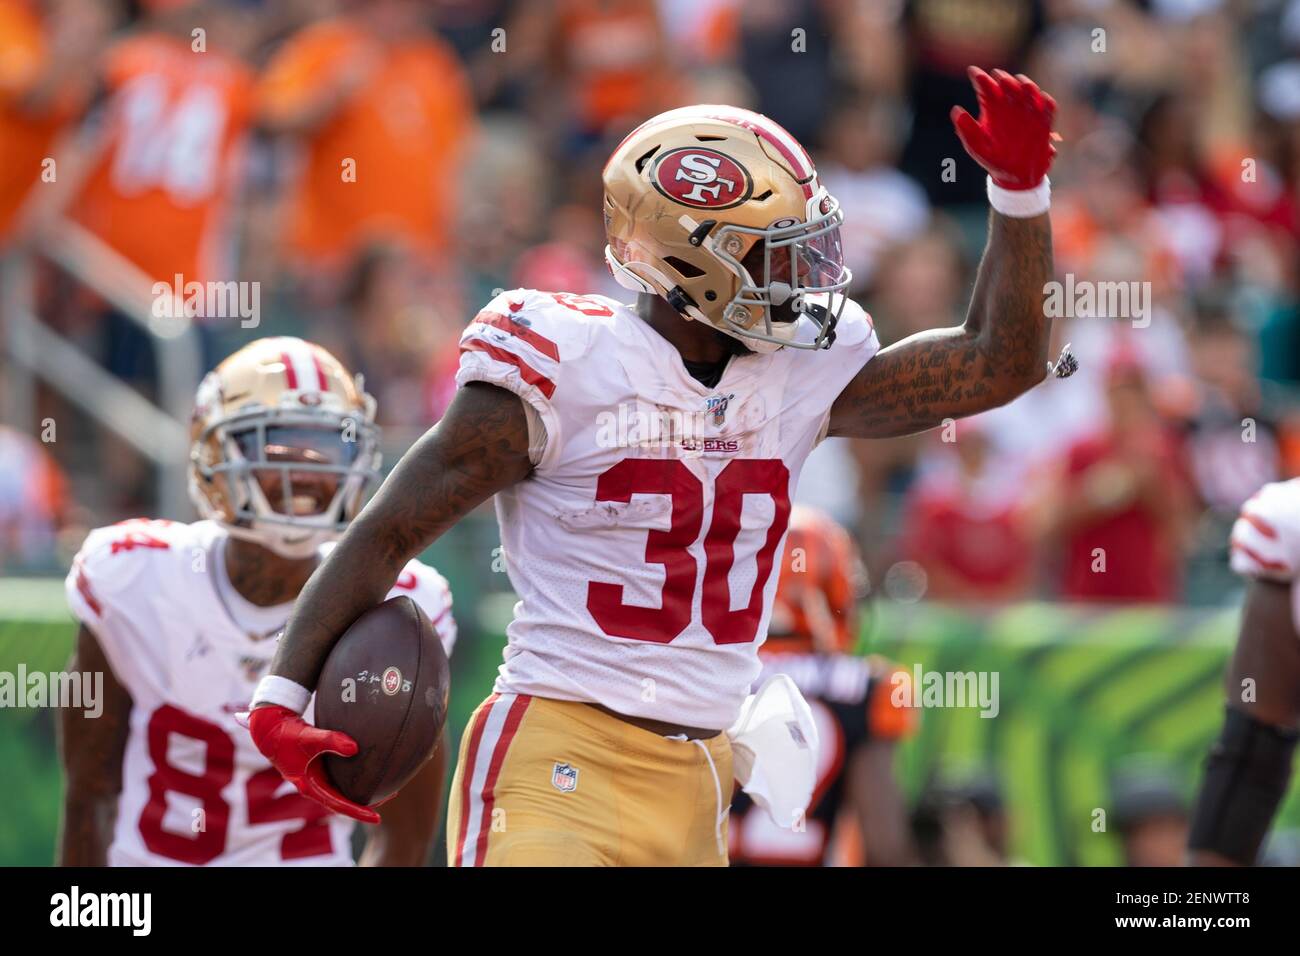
(629, 280)
(274, 540)
(288, 543)
(625, 276)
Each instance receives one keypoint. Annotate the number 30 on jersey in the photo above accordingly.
(671, 548)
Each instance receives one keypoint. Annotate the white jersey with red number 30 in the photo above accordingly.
(643, 545)
(195, 790)
(1265, 539)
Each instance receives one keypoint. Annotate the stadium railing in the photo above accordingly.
(36, 351)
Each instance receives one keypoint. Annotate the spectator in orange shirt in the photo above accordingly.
(43, 84)
(166, 165)
(383, 111)
(611, 58)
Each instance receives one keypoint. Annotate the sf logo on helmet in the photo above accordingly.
(703, 178)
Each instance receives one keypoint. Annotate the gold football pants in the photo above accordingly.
(543, 782)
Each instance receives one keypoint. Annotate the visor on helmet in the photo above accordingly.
(791, 261)
(296, 478)
(299, 468)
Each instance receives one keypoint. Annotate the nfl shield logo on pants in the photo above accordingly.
(565, 778)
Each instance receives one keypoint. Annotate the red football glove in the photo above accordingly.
(1012, 138)
(292, 745)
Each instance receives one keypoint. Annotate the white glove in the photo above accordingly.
(774, 750)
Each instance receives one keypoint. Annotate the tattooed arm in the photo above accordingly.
(1248, 770)
(1001, 350)
(92, 750)
(478, 448)
(997, 354)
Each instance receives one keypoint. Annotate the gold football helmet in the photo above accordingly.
(719, 211)
(284, 445)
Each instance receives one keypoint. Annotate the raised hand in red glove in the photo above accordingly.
(292, 745)
(1012, 138)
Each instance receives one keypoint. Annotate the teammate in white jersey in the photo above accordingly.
(644, 457)
(1249, 767)
(180, 620)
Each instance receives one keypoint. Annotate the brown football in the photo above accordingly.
(385, 685)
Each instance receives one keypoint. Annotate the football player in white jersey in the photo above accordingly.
(180, 619)
(1249, 766)
(644, 457)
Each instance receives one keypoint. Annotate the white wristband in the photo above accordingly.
(1021, 203)
(272, 689)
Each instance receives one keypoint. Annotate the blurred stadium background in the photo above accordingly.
(477, 130)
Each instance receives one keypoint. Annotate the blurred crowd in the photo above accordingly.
(380, 167)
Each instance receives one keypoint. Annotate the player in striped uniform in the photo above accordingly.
(644, 456)
(181, 621)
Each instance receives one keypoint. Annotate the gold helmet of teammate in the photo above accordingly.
(284, 445)
(719, 211)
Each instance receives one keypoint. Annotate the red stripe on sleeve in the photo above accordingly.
(1259, 559)
(1260, 525)
(520, 331)
(83, 586)
(526, 371)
